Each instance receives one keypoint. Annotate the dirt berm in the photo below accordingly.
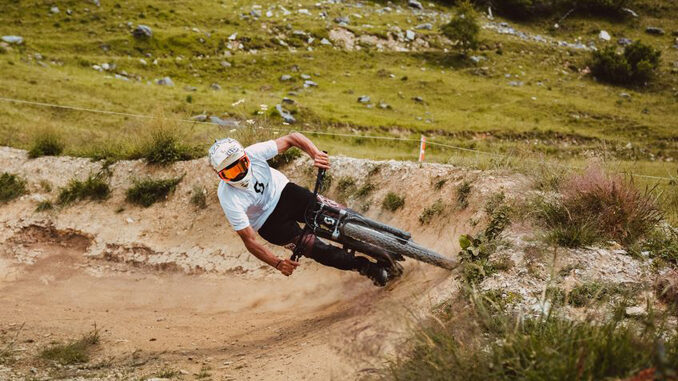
(171, 286)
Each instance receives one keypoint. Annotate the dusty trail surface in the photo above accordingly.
(172, 288)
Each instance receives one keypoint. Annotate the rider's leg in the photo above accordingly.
(329, 255)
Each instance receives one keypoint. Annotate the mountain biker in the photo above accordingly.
(258, 198)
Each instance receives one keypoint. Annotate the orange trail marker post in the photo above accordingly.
(422, 148)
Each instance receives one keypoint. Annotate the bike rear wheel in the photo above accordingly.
(395, 245)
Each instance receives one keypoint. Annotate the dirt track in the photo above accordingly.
(171, 287)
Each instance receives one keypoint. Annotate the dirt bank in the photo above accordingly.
(171, 286)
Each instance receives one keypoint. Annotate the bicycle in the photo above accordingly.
(388, 245)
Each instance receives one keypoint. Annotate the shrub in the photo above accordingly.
(75, 352)
(44, 206)
(149, 191)
(345, 186)
(365, 190)
(285, 158)
(661, 245)
(11, 187)
(597, 206)
(435, 209)
(463, 27)
(463, 191)
(484, 343)
(393, 202)
(635, 66)
(46, 143)
(163, 144)
(95, 187)
(199, 197)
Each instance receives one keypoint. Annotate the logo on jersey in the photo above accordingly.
(259, 187)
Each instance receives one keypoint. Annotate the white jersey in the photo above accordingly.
(252, 206)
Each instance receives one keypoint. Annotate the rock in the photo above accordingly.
(233, 36)
(515, 83)
(305, 76)
(288, 101)
(624, 41)
(364, 99)
(54, 9)
(142, 32)
(190, 88)
(310, 84)
(285, 77)
(630, 12)
(225, 64)
(166, 81)
(415, 4)
(256, 13)
(603, 35)
(342, 20)
(96, 2)
(410, 35)
(477, 59)
(287, 117)
(666, 287)
(228, 123)
(215, 86)
(625, 95)
(654, 30)
(13, 39)
(418, 99)
(69, 12)
(199, 118)
(635, 311)
(426, 26)
(384, 106)
(325, 41)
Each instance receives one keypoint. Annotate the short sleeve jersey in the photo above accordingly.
(252, 206)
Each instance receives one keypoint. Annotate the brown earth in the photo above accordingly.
(172, 287)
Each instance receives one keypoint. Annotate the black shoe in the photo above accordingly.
(375, 272)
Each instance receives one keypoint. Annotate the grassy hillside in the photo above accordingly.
(556, 110)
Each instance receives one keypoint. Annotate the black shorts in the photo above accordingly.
(281, 227)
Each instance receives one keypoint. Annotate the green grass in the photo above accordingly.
(199, 197)
(11, 187)
(463, 191)
(44, 206)
(95, 188)
(392, 202)
(147, 192)
(485, 342)
(432, 211)
(73, 352)
(46, 143)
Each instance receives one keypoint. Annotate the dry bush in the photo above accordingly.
(666, 288)
(602, 205)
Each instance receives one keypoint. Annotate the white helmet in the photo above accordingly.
(229, 160)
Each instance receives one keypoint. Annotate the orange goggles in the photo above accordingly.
(235, 171)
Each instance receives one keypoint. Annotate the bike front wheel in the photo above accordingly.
(397, 245)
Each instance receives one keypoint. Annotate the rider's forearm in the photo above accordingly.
(302, 142)
(262, 253)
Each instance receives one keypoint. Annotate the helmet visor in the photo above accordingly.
(235, 171)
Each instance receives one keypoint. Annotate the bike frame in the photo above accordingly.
(325, 219)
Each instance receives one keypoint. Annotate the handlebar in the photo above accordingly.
(319, 180)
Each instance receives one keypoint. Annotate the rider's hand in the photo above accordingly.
(321, 160)
(287, 266)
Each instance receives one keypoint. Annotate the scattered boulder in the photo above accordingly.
(190, 88)
(603, 35)
(418, 99)
(654, 30)
(287, 117)
(635, 311)
(305, 76)
(288, 101)
(215, 86)
(199, 118)
(225, 64)
(426, 26)
(166, 81)
(624, 41)
(325, 41)
(54, 9)
(342, 20)
(285, 77)
(415, 4)
(256, 13)
(13, 39)
(364, 99)
(629, 12)
(384, 106)
(410, 35)
(226, 123)
(310, 84)
(516, 83)
(142, 32)
(477, 59)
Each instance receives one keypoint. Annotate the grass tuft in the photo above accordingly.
(596, 206)
(199, 197)
(95, 187)
(44, 206)
(393, 202)
(74, 352)
(285, 158)
(163, 145)
(436, 209)
(365, 190)
(46, 143)
(463, 191)
(11, 187)
(149, 191)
